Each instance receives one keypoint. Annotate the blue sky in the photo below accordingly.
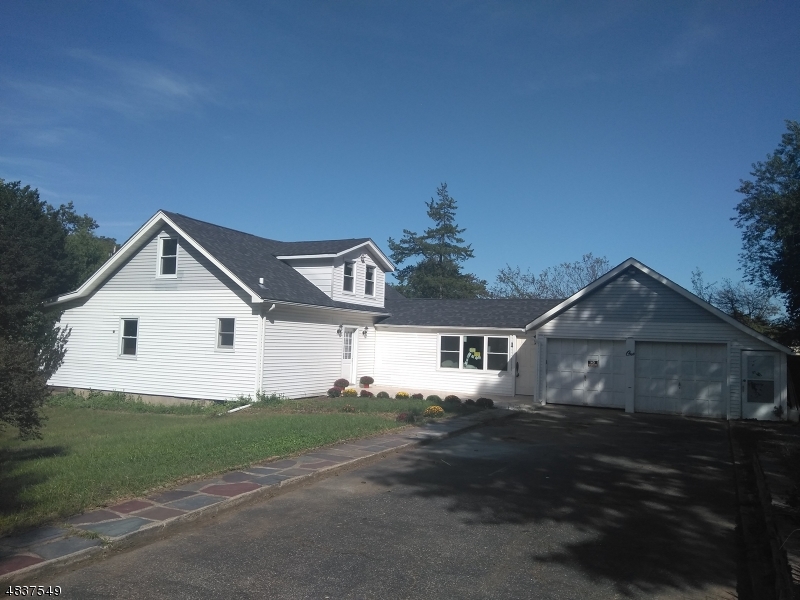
(618, 128)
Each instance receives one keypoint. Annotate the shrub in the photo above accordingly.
(366, 380)
(401, 396)
(453, 399)
(367, 394)
(405, 417)
(350, 393)
(417, 396)
(349, 408)
(341, 383)
(485, 402)
(433, 398)
(433, 411)
(469, 402)
(334, 392)
(382, 395)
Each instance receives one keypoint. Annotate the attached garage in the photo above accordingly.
(685, 379)
(633, 339)
(585, 372)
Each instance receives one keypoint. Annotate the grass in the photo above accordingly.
(106, 447)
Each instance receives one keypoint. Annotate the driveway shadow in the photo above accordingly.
(643, 501)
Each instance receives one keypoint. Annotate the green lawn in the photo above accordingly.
(106, 448)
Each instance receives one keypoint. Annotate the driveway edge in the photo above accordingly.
(160, 530)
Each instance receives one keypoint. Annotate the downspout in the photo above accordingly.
(262, 322)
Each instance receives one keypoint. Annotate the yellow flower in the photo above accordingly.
(433, 411)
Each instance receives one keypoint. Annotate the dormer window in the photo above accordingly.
(349, 277)
(369, 281)
(167, 257)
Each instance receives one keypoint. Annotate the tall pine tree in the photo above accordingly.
(440, 251)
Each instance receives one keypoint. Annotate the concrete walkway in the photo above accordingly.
(49, 549)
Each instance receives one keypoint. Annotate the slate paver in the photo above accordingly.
(281, 464)
(130, 506)
(117, 528)
(160, 513)
(338, 458)
(296, 472)
(196, 486)
(231, 489)
(170, 495)
(262, 470)
(34, 536)
(237, 477)
(93, 517)
(63, 547)
(272, 479)
(320, 464)
(195, 502)
(15, 563)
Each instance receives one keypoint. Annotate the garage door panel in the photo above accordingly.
(570, 379)
(689, 378)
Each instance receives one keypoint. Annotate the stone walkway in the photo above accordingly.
(134, 521)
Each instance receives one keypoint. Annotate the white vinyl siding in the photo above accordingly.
(195, 272)
(360, 272)
(635, 306)
(303, 352)
(317, 271)
(410, 358)
(176, 352)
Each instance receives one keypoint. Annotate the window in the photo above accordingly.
(349, 277)
(369, 281)
(225, 333)
(168, 257)
(473, 352)
(130, 333)
(449, 351)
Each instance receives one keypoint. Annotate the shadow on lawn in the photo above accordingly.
(645, 502)
(13, 480)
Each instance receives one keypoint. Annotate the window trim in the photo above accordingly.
(368, 280)
(352, 277)
(485, 355)
(219, 347)
(161, 256)
(122, 337)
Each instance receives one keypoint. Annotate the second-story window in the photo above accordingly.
(369, 282)
(349, 276)
(168, 260)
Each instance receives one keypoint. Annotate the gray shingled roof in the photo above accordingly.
(423, 312)
(250, 257)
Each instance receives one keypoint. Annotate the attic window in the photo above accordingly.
(369, 282)
(349, 278)
(168, 257)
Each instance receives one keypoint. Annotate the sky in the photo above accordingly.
(620, 128)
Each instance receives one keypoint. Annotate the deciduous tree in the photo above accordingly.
(560, 281)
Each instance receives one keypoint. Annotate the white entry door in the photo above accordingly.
(759, 390)
(348, 353)
(587, 372)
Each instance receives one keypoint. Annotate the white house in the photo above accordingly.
(194, 310)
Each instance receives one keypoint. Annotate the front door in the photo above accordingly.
(526, 366)
(348, 353)
(759, 385)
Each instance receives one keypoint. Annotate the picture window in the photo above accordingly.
(474, 352)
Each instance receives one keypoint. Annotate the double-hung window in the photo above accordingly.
(369, 281)
(226, 329)
(473, 352)
(129, 337)
(349, 277)
(167, 257)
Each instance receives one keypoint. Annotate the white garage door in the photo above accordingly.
(587, 372)
(687, 379)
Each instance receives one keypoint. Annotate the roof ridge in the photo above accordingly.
(167, 212)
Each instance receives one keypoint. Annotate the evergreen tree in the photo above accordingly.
(440, 250)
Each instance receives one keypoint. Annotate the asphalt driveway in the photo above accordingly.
(559, 503)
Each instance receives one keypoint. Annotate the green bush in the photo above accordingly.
(334, 392)
(433, 398)
(485, 402)
(341, 383)
(453, 399)
(366, 380)
(367, 394)
(417, 396)
(469, 402)
(383, 395)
